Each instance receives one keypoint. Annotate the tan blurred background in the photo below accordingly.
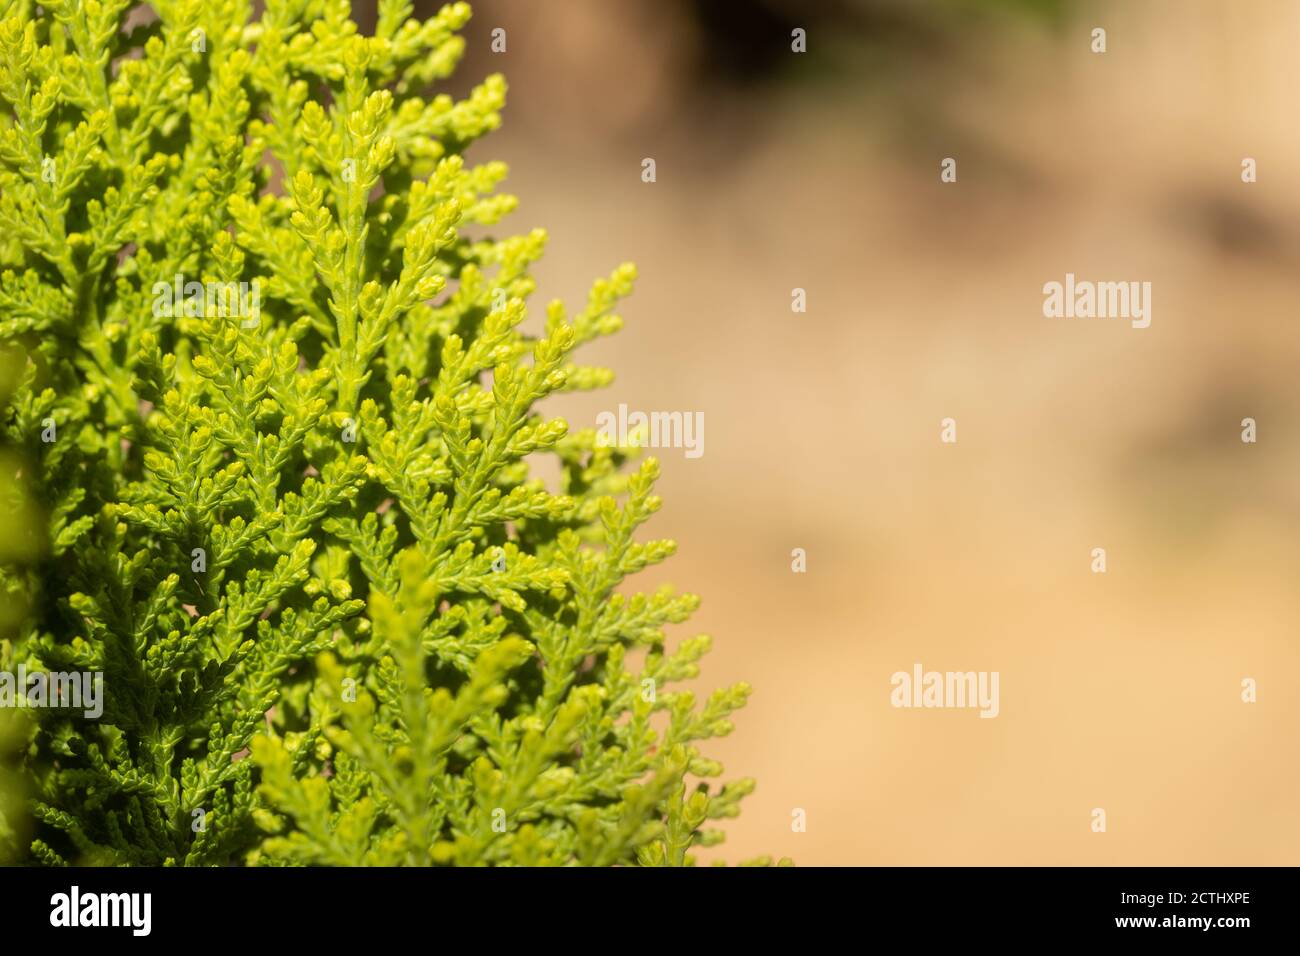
(821, 171)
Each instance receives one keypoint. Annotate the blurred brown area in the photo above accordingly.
(1119, 691)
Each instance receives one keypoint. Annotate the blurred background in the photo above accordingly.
(778, 170)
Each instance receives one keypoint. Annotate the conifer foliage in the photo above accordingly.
(338, 619)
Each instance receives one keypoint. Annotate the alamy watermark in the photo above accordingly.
(946, 689)
(74, 690)
(1075, 299)
(75, 908)
(222, 300)
(625, 429)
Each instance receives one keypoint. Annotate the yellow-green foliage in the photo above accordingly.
(339, 621)
(19, 546)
